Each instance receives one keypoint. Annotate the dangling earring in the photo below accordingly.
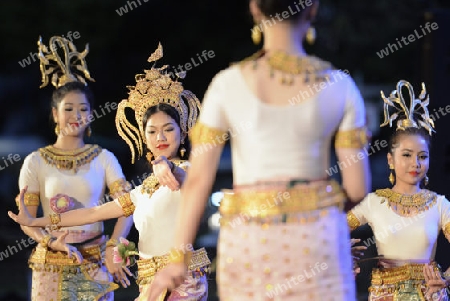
(89, 131)
(149, 156)
(311, 35)
(182, 151)
(425, 180)
(391, 176)
(57, 131)
(256, 34)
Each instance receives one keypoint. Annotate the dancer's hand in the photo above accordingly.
(433, 280)
(168, 278)
(117, 270)
(357, 252)
(59, 244)
(24, 217)
(162, 170)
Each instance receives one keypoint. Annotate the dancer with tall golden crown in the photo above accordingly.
(71, 263)
(164, 113)
(407, 218)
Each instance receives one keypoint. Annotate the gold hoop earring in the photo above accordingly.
(311, 35)
(149, 156)
(426, 180)
(57, 131)
(256, 34)
(182, 151)
(391, 175)
(88, 131)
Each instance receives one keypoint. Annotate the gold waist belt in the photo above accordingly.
(147, 268)
(302, 198)
(394, 275)
(56, 261)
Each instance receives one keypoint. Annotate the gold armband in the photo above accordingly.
(112, 242)
(352, 221)
(55, 219)
(179, 256)
(356, 138)
(201, 133)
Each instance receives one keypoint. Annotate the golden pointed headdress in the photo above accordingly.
(152, 88)
(416, 115)
(70, 67)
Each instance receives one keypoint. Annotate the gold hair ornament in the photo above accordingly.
(397, 101)
(68, 68)
(153, 88)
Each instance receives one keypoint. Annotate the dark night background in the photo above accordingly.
(350, 33)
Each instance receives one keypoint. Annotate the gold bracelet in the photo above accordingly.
(178, 256)
(55, 218)
(112, 242)
(45, 240)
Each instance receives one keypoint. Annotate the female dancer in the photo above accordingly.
(406, 219)
(164, 113)
(69, 263)
(280, 108)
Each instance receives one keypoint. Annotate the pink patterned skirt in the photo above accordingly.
(285, 245)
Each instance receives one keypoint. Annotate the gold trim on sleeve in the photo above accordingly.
(203, 134)
(355, 138)
(446, 230)
(30, 199)
(119, 187)
(126, 204)
(352, 221)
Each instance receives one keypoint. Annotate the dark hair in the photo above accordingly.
(173, 113)
(410, 131)
(270, 8)
(79, 87)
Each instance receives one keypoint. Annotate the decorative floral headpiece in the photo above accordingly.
(152, 88)
(414, 117)
(70, 68)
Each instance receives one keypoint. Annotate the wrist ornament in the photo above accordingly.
(112, 242)
(55, 219)
(47, 240)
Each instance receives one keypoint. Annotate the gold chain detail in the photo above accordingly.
(408, 204)
(69, 159)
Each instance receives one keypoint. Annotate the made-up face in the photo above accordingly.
(163, 135)
(72, 114)
(410, 159)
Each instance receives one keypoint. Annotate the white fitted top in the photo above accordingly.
(260, 133)
(403, 238)
(86, 187)
(155, 218)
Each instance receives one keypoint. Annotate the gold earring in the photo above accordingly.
(311, 35)
(425, 180)
(391, 175)
(256, 34)
(149, 156)
(182, 152)
(89, 131)
(57, 131)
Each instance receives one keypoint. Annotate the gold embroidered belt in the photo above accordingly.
(265, 203)
(390, 280)
(147, 268)
(43, 259)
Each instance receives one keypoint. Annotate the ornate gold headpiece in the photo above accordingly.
(152, 88)
(421, 112)
(65, 69)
